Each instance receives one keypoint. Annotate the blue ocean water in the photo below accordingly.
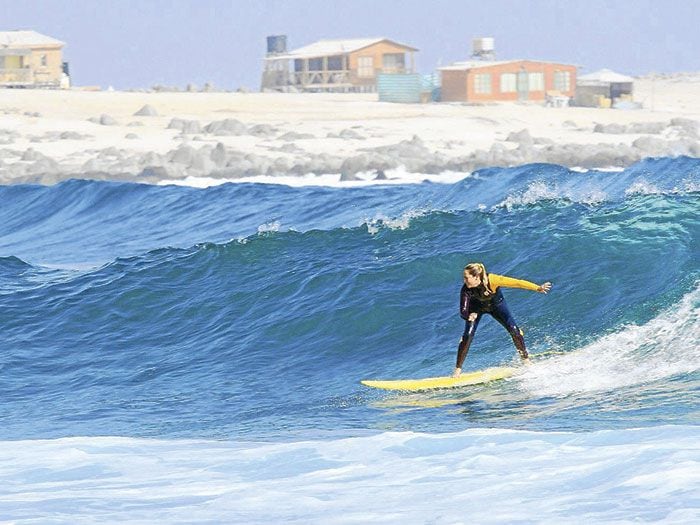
(247, 314)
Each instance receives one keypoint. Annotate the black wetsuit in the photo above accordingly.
(474, 300)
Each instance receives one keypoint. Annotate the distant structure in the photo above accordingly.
(510, 80)
(30, 59)
(333, 65)
(603, 89)
(276, 70)
(484, 48)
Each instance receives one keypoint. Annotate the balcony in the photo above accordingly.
(324, 80)
(11, 77)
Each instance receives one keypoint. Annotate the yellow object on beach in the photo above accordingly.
(430, 383)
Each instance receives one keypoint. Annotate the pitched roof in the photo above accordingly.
(476, 64)
(324, 48)
(27, 38)
(603, 76)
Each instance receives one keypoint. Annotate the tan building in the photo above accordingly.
(334, 65)
(511, 80)
(30, 59)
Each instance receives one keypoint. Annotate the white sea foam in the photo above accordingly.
(273, 226)
(401, 222)
(475, 476)
(542, 191)
(642, 187)
(536, 191)
(664, 347)
(394, 176)
(609, 169)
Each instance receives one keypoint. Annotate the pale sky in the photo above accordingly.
(140, 43)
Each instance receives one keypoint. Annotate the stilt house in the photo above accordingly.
(334, 65)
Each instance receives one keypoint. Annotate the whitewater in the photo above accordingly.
(192, 354)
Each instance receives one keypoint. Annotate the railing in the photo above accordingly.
(320, 78)
(15, 76)
(332, 80)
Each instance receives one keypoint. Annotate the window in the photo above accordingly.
(562, 81)
(482, 83)
(509, 83)
(393, 62)
(44, 60)
(315, 64)
(535, 81)
(365, 67)
(335, 63)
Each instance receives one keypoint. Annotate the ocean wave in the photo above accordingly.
(402, 222)
(13, 264)
(79, 220)
(252, 310)
(660, 349)
(594, 477)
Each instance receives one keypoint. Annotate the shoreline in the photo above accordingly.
(50, 136)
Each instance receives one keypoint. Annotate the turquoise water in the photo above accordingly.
(253, 311)
(181, 355)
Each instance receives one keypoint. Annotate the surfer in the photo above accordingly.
(481, 294)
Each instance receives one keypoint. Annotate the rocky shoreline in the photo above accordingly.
(152, 145)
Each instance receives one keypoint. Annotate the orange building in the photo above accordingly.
(511, 80)
(334, 65)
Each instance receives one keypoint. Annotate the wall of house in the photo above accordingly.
(30, 69)
(461, 84)
(589, 96)
(454, 86)
(377, 52)
(52, 71)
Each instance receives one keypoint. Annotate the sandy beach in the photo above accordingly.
(51, 135)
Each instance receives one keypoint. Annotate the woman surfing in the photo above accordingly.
(481, 294)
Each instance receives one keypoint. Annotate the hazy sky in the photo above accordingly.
(139, 43)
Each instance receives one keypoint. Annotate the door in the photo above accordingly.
(523, 86)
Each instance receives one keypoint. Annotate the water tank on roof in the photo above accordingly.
(484, 47)
(276, 44)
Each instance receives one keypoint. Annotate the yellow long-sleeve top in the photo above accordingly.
(471, 299)
(496, 281)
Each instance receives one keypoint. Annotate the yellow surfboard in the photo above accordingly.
(429, 383)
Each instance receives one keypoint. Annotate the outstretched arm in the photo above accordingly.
(508, 282)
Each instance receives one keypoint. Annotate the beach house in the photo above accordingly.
(604, 89)
(507, 80)
(334, 65)
(30, 59)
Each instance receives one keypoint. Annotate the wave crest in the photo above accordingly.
(632, 355)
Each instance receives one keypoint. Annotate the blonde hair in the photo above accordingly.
(479, 270)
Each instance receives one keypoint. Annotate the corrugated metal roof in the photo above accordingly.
(604, 76)
(476, 64)
(324, 48)
(27, 39)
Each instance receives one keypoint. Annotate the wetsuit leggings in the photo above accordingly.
(499, 311)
